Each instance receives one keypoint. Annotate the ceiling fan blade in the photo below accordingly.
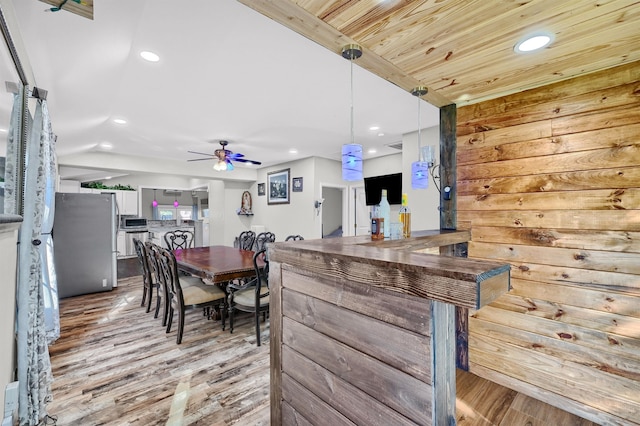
(202, 159)
(242, 160)
(201, 153)
(234, 156)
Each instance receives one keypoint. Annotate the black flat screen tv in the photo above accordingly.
(374, 185)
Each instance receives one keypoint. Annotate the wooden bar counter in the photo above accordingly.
(363, 332)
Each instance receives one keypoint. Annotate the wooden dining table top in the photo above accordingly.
(217, 263)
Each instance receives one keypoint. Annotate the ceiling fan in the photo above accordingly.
(224, 157)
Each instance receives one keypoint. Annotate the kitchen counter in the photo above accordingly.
(156, 233)
(169, 228)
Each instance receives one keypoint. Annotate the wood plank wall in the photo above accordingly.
(550, 181)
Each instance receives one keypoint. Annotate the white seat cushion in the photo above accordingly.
(247, 297)
(196, 292)
(187, 281)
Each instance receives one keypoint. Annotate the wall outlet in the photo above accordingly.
(104, 282)
(10, 399)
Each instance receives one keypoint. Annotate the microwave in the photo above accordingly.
(133, 222)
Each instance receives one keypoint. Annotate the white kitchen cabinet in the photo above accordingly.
(127, 200)
(157, 238)
(69, 186)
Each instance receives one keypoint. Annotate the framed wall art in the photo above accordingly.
(278, 187)
(296, 184)
(261, 189)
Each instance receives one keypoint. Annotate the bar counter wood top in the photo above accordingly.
(399, 266)
(364, 332)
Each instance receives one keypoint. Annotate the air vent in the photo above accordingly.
(172, 192)
(397, 145)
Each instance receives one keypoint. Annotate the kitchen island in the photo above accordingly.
(364, 332)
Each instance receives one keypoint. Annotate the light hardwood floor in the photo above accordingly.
(115, 365)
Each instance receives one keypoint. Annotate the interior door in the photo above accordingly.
(361, 212)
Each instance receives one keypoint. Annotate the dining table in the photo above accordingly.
(217, 264)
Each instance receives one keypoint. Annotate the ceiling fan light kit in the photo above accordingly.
(352, 152)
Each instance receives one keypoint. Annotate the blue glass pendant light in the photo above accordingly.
(352, 152)
(420, 168)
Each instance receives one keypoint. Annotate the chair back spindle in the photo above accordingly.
(262, 239)
(246, 240)
(179, 239)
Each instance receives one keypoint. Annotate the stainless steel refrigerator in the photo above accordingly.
(85, 230)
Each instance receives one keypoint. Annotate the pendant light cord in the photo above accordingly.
(420, 156)
(352, 134)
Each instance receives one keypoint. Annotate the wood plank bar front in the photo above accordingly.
(363, 332)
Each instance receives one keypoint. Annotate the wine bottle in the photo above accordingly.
(405, 217)
(385, 213)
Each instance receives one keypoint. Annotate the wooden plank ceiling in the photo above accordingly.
(83, 8)
(462, 50)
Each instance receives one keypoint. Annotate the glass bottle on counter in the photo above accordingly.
(405, 217)
(385, 213)
(376, 224)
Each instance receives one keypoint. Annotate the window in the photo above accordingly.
(171, 213)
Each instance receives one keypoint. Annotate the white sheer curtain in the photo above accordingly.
(12, 160)
(34, 367)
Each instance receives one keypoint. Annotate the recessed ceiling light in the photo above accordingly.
(3, 130)
(119, 121)
(107, 177)
(374, 127)
(105, 145)
(380, 134)
(149, 56)
(534, 42)
(293, 151)
(372, 151)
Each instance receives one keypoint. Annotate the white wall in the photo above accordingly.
(423, 203)
(8, 261)
(234, 224)
(297, 217)
(386, 165)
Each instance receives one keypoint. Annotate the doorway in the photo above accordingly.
(332, 212)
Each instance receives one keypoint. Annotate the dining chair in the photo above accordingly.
(263, 238)
(149, 282)
(246, 239)
(252, 296)
(154, 270)
(179, 239)
(294, 238)
(187, 292)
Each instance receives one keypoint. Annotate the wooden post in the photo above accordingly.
(449, 218)
(443, 344)
(448, 215)
(275, 320)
